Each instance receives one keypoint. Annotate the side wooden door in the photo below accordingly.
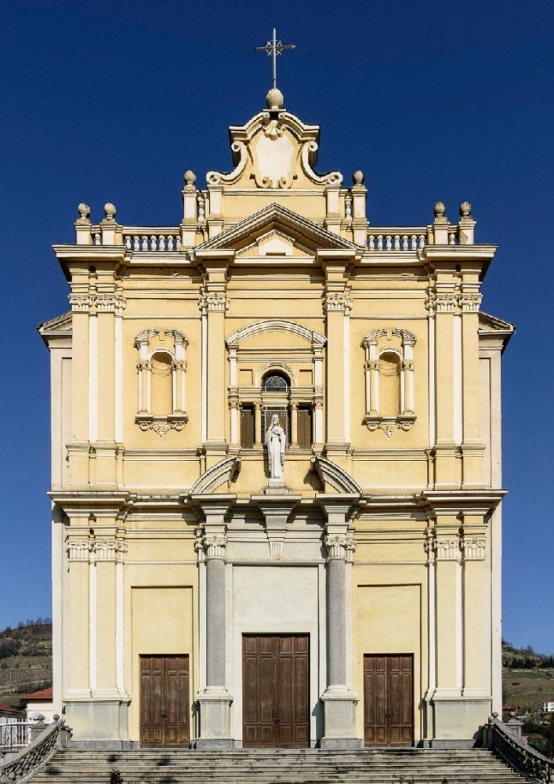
(388, 700)
(164, 701)
(275, 677)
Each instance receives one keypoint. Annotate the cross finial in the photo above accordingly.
(273, 48)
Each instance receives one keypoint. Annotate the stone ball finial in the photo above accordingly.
(189, 177)
(439, 209)
(465, 210)
(274, 99)
(358, 177)
(109, 210)
(83, 210)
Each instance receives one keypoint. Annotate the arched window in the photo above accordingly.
(276, 382)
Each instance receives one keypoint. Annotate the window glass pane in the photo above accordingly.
(276, 383)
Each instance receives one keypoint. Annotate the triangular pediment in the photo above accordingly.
(276, 230)
(60, 324)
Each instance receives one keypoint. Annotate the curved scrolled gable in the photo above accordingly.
(275, 325)
(214, 477)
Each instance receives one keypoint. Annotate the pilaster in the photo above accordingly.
(448, 381)
(213, 306)
(472, 446)
(337, 305)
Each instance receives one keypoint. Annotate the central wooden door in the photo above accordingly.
(388, 700)
(164, 701)
(275, 688)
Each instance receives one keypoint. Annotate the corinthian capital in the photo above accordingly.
(80, 303)
(214, 301)
(214, 545)
(340, 545)
(337, 301)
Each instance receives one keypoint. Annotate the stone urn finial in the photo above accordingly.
(465, 210)
(274, 99)
(439, 209)
(84, 211)
(110, 211)
(189, 177)
(358, 177)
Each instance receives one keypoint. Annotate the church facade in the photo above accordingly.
(276, 467)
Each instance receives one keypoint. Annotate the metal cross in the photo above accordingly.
(273, 48)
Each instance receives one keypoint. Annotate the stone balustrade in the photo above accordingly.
(388, 239)
(163, 239)
(159, 239)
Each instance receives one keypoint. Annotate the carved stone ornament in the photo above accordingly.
(474, 548)
(92, 550)
(340, 545)
(104, 303)
(389, 426)
(214, 545)
(448, 549)
(161, 425)
(109, 303)
(80, 303)
(213, 301)
(337, 301)
(470, 302)
(274, 149)
(446, 302)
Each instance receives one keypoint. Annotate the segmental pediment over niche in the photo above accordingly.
(274, 150)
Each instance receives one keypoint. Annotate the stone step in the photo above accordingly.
(277, 766)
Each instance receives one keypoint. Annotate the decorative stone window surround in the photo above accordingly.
(257, 359)
(262, 399)
(177, 418)
(373, 351)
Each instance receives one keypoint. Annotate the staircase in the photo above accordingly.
(277, 766)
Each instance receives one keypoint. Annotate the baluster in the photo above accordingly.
(201, 207)
(413, 240)
(379, 242)
(136, 243)
(127, 242)
(405, 245)
(348, 207)
(144, 243)
(170, 241)
(421, 243)
(178, 242)
(153, 242)
(371, 242)
(389, 242)
(451, 237)
(397, 241)
(161, 242)
(97, 238)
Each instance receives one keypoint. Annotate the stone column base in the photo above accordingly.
(339, 710)
(215, 719)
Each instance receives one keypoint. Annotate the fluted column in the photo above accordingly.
(214, 699)
(338, 699)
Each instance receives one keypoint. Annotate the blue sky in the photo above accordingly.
(434, 101)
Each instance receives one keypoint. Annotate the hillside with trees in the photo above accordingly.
(25, 659)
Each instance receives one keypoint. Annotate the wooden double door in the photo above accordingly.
(388, 700)
(275, 677)
(164, 701)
